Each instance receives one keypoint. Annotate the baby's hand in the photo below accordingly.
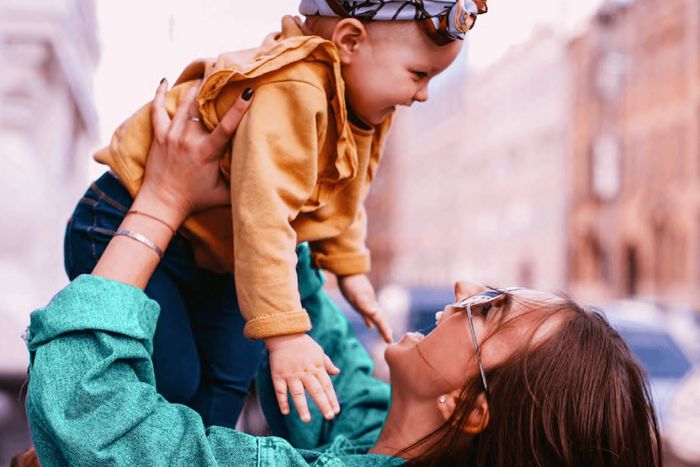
(297, 362)
(358, 290)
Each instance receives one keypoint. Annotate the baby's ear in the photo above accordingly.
(348, 36)
(478, 417)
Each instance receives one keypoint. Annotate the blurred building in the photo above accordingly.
(48, 52)
(635, 222)
(473, 184)
(408, 207)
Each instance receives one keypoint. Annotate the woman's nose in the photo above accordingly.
(464, 289)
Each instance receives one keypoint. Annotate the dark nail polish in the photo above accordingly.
(161, 81)
(247, 94)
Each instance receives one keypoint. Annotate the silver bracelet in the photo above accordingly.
(141, 239)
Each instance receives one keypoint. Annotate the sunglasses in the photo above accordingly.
(481, 303)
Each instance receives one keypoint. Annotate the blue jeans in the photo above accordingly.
(200, 356)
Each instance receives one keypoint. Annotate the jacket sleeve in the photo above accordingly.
(91, 397)
(274, 170)
(345, 254)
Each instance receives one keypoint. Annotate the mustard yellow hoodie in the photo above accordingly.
(298, 171)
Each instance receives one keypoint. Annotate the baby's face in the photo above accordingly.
(393, 68)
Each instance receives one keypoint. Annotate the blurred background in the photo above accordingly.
(561, 151)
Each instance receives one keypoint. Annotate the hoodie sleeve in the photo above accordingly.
(274, 170)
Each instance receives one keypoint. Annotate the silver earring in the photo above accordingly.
(442, 399)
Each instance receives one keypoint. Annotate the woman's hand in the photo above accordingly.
(181, 177)
(182, 170)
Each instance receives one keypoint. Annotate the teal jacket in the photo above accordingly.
(92, 401)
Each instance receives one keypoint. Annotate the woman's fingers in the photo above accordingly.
(182, 115)
(227, 126)
(296, 389)
(159, 116)
(318, 394)
(280, 386)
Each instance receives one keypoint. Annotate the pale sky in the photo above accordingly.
(144, 41)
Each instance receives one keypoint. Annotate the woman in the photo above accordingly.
(508, 377)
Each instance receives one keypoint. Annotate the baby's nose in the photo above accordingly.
(421, 95)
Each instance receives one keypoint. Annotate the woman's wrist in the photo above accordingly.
(162, 206)
(134, 253)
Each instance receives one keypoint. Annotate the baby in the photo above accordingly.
(299, 168)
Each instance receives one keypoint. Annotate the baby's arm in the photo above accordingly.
(348, 258)
(274, 170)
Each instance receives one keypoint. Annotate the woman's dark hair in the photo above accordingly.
(578, 398)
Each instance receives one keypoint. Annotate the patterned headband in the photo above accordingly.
(443, 20)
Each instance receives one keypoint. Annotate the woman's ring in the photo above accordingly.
(195, 119)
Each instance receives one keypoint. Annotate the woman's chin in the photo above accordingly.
(407, 341)
(401, 358)
(412, 338)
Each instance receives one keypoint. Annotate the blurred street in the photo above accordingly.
(568, 161)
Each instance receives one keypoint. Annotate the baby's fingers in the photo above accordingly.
(318, 394)
(328, 388)
(296, 389)
(280, 386)
(331, 369)
(383, 328)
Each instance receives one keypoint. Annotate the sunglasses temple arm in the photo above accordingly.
(476, 348)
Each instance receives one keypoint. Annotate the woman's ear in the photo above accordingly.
(478, 417)
(349, 35)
